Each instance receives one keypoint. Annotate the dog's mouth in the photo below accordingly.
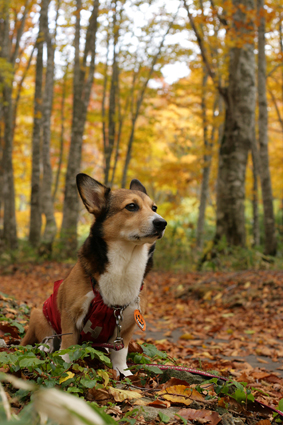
(154, 234)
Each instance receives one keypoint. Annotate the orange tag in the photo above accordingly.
(140, 320)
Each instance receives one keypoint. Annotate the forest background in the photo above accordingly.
(185, 96)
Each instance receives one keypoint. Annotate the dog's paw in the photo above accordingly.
(122, 372)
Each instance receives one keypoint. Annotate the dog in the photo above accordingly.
(108, 278)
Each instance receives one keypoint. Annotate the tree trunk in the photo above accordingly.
(112, 101)
(46, 189)
(82, 87)
(256, 230)
(139, 102)
(269, 222)
(206, 168)
(9, 221)
(35, 204)
(62, 133)
(10, 226)
(238, 134)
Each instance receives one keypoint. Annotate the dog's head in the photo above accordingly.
(125, 214)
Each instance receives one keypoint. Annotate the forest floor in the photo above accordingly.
(225, 323)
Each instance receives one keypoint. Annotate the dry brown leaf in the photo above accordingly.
(98, 395)
(160, 404)
(201, 416)
(264, 422)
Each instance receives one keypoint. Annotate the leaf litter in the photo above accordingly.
(228, 324)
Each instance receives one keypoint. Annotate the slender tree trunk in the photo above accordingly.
(238, 134)
(10, 227)
(256, 230)
(9, 219)
(112, 101)
(35, 204)
(46, 189)
(269, 222)
(82, 88)
(206, 168)
(139, 102)
(62, 133)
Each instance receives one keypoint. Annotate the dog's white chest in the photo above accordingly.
(120, 284)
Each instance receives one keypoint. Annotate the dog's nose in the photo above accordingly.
(159, 223)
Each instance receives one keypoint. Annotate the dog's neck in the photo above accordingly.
(120, 283)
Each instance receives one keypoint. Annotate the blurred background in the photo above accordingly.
(186, 96)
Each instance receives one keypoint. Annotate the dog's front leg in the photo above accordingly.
(72, 337)
(119, 361)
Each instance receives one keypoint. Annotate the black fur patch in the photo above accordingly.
(93, 253)
(149, 263)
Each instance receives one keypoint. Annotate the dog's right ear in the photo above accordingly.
(93, 194)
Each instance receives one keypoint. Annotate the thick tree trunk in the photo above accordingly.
(46, 189)
(82, 87)
(35, 204)
(269, 222)
(238, 134)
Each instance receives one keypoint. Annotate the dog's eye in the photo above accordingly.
(132, 207)
(154, 208)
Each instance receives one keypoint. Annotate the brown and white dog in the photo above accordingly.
(111, 266)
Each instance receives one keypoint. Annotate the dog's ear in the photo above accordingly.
(136, 185)
(93, 194)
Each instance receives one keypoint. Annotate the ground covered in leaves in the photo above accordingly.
(226, 324)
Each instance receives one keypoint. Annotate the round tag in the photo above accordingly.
(140, 320)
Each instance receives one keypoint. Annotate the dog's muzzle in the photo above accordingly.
(159, 225)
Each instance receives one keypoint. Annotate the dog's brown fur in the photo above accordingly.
(116, 228)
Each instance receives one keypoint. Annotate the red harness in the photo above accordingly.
(99, 323)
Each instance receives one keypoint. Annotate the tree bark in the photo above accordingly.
(46, 187)
(238, 133)
(256, 230)
(8, 191)
(112, 102)
(269, 222)
(10, 226)
(62, 133)
(35, 204)
(207, 164)
(83, 79)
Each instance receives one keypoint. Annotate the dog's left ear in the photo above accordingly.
(93, 194)
(136, 185)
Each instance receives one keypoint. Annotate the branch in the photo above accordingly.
(222, 20)
(276, 107)
(20, 33)
(210, 72)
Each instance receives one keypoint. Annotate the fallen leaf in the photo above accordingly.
(159, 404)
(201, 416)
(264, 422)
(98, 395)
(104, 375)
(181, 394)
(65, 378)
(121, 395)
